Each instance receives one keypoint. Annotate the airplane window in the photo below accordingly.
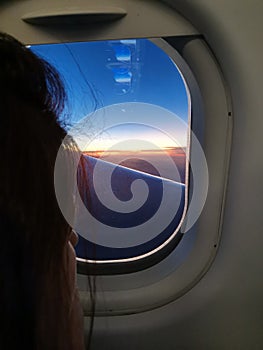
(129, 112)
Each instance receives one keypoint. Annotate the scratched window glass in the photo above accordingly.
(129, 113)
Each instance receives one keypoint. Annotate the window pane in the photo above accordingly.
(131, 107)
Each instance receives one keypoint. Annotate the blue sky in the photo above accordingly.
(100, 74)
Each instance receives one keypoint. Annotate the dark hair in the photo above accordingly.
(34, 288)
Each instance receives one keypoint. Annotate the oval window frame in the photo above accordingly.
(179, 271)
(122, 266)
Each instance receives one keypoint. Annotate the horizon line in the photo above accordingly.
(139, 150)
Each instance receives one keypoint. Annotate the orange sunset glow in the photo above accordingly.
(148, 161)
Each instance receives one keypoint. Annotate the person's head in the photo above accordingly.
(35, 277)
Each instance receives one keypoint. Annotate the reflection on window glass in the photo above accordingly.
(130, 105)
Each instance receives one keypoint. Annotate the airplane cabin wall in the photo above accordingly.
(225, 309)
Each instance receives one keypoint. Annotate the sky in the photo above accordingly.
(100, 74)
(141, 137)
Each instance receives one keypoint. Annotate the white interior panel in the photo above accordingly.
(140, 20)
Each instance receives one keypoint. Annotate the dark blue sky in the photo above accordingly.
(103, 73)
